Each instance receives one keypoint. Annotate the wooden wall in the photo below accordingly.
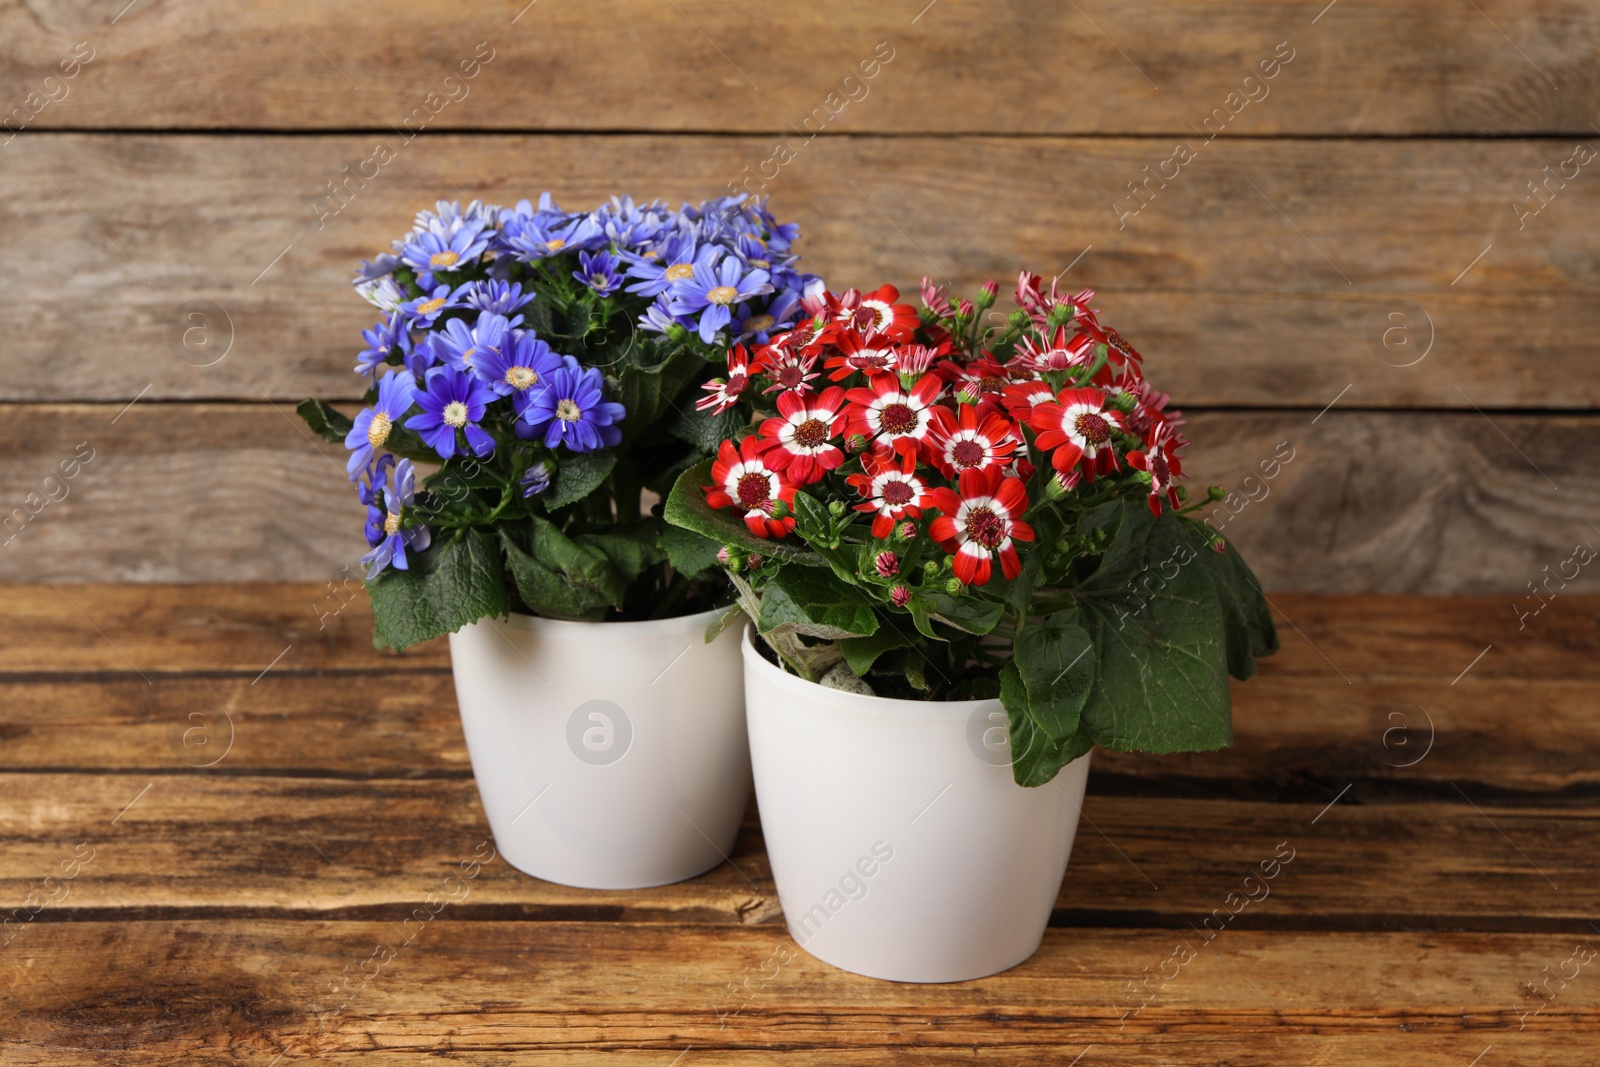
(1353, 265)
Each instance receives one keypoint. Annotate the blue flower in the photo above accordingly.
(711, 291)
(517, 368)
(573, 411)
(657, 319)
(452, 400)
(429, 252)
(424, 311)
(389, 540)
(500, 297)
(371, 493)
(460, 345)
(536, 481)
(673, 261)
(372, 427)
(599, 272)
(382, 340)
(541, 236)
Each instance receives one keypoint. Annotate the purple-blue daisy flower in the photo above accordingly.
(536, 481)
(460, 345)
(673, 261)
(424, 311)
(599, 272)
(518, 368)
(574, 412)
(451, 401)
(429, 252)
(372, 427)
(500, 297)
(712, 291)
(393, 540)
(382, 340)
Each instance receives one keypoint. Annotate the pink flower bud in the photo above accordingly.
(901, 595)
(755, 560)
(723, 555)
(991, 287)
(888, 564)
(908, 531)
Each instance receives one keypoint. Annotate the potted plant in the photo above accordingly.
(962, 543)
(544, 364)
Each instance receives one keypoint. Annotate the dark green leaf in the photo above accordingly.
(689, 552)
(324, 421)
(646, 390)
(630, 549)
(1036, 757)
(686, 507)
(1056, 662)
(801, 600)
(549, 590)
(973, 614)
(862, 652)
(578, 476)
(1246, 615)
(1161, 684)
(455, 583)
(703, 430)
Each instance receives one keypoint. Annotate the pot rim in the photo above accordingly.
(635, 627)
(856, 702)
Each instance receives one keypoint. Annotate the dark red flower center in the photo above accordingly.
(736, 384)
(985, 527)
(896, 493)
(813, 433)
(967, 453)
(790, 376)
(1114, 340)
(897, 418)
(992, 383)
(1159, 470)
(1093, 428)
(755, 491)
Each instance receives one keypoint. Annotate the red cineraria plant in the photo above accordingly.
(1027, 536)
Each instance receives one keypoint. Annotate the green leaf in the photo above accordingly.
(548, 590)
(702, 430)
(646, 390)
(1036, 757)
(973, 614)
(454, 583)
(862, 652)
(686, 507)
(806, 601)
(324, 421)
(1246, 615)
(631, 549)
(688, 552)
(1161, 683)
(578, 476)
(1056, 663)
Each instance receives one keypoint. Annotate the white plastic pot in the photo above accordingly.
(608, 755)
(901, 846)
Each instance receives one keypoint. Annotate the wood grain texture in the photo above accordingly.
(1264, 274)
(1367, 502)
(320, 847)
(963, 66)
(556, 993)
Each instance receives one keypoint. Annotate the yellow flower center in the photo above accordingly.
(521, 377)
(466, 357)
(443, 259)
(652, 254)
(428, 307)
(679, 271)
(567, 411)
(455, 414)
(556, 244)
(759, 323)
(391, 524)
(723, 294)
(378, 429)
(762, 263)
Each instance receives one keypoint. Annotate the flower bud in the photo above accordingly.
(725, 554)
(986, 295)
(964, 310)
(855, 443)
(1218, 544)
(1143, 477)
(907, 531)
(677, 333)
(931, 569)
(836, 508)
(1060, 315)
(1123, 402)
(1215, 492)
(1019, 319)
(755, 560)
(954, 587)
(887, 563)
(1183, 492)
(901, 595)
(970, 393)
(780, 510)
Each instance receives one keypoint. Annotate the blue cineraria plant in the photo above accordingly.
(546, 364)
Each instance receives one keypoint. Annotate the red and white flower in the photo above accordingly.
(1159, 457)
(875, 312)
(800, 441)
(746, 482)
(724, 393)
(1079, 426)
(869, 353)
(980, 523)
(1054, 353)
(892, 416)
(1020, 398)
(787, 367)
(893, 492)
(970, 441)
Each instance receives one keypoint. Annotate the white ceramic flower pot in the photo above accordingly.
(608, 755)
(901, 846)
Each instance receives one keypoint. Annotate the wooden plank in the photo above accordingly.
(554, 993)
(308, 847)
(1368, 502)
(1148, 66)
(1297, 737)
(1264, 274)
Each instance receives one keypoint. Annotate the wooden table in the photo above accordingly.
(236, 822)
